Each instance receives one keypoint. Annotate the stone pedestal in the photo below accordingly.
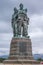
(20, 52)
(21, 49)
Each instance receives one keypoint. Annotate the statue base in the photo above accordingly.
(20, 52)
(21, 62)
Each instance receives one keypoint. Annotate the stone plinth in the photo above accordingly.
(21, 52)
(21, 62)
(21, 49)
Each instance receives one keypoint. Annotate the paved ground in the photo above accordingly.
(1, 64)
(20, 64)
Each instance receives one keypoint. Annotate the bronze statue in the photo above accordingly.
(20, 22)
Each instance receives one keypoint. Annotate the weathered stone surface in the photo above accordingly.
(21, 49)
(15, 57)
(21, 62)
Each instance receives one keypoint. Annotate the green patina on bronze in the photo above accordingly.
(20, 22)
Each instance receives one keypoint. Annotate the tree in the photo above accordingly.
(39, 59)
(1, 60)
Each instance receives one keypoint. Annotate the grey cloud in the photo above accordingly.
(36, 23)
(5, 27)
(5, 40)
(37, 42)
(4, 44)
(4, 51)
(6, 7)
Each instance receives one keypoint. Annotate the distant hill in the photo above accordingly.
(36, 56)
(4, 56)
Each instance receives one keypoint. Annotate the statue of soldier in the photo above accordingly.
(20, 22)
(25, 26)
(23, 23)
(14, 23)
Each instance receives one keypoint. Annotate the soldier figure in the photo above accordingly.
(14, 23)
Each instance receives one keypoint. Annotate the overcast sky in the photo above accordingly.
(35, 13)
